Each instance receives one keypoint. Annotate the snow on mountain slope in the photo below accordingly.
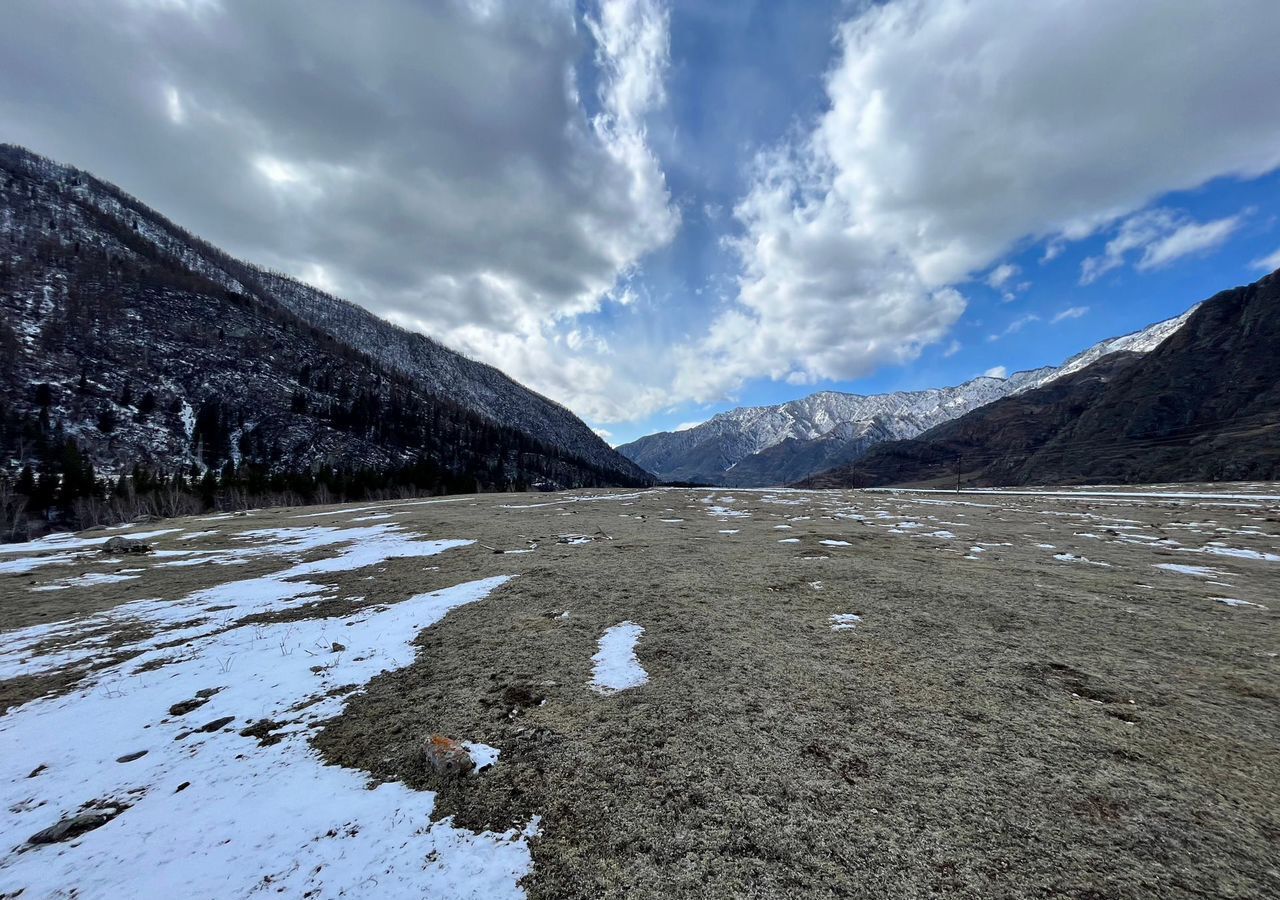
(783, 436)
(1143, 341)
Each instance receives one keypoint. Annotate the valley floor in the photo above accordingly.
(666, 693)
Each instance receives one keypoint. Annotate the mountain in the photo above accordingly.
(135, 343)
(1204, 405)
(768, 445)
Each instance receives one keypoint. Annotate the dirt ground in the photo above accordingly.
(1006, 719)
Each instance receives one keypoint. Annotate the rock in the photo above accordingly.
(337, 648)
(217, 724)
(446, 756)
(74, 826)
(120, 544)
(181, 709)
(130, 757)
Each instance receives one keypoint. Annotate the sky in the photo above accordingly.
(656, 210)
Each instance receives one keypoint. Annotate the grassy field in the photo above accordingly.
(1021, 695)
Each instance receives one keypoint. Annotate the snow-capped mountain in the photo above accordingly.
(763, 445)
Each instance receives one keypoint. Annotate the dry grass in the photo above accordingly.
(1012, 726)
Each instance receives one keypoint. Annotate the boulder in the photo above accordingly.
(74, 826)
(447, 757)
(120, 544)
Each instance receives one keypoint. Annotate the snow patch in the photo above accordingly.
(1231, 601)
(1071, 557)
(216, 814)
(1197, 571)
(616, 667)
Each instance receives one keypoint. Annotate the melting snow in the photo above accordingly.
(1071, 557)
(68, 541)
(1239, 554)
(234, 599)
(481, 754)
(844, 621)
(86, 580)
(1198, 571)
(217, 814)
(616, 666)
(1231, 601)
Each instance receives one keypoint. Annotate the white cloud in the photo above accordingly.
(1000, 275)
(1194, 237)
(1163, 235)
(604, 433)
(956, 129)
(997, 372)
(1268, 263)
(953, 348)
(1071, 312)
(685, 426)
(1015, 326)
(441, 163)
(485, 170)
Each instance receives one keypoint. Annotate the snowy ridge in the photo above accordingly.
(708, 451)
(1143, 341)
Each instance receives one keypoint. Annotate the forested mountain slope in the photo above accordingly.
(1203, 406)
(125, 343)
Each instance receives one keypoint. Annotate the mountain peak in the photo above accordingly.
(720, 450)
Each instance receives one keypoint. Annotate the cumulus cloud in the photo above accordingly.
(1071, 312)
(483, 170)
(479, 170)
(1163, 235)
(956, 129)
(997, 372)
(685, 426)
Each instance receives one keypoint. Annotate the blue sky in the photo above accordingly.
(655, 210)
(1122, 301)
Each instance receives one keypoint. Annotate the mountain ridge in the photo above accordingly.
(478, 386)
(1200, 406)
(763, 445)
(129, 351)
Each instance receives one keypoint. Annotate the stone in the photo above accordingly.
(120, 544)
(74, 826)
(217, 724)
(446, 756)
